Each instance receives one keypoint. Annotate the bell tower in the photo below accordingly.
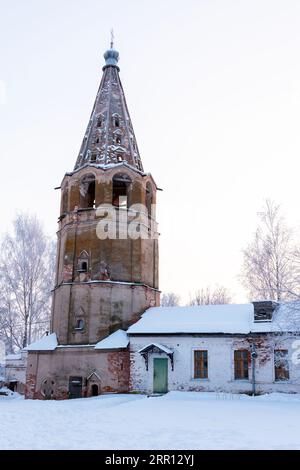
(107, 269)
(107, 255)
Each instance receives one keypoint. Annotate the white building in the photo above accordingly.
(15, 371)
(230, 348)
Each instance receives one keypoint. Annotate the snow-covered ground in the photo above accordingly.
(177, 420)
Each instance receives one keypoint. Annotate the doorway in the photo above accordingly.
(160, 375)
(95, 390)
(75, 387)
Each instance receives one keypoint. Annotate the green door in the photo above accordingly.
(160, 375)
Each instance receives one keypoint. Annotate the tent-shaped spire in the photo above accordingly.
(109, 138)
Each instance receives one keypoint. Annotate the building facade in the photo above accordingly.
(224, 348)
(107, 256)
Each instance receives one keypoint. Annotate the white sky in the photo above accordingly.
(213, 89)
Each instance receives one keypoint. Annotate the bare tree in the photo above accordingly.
(211, 296)
(170, 299)
(26, 278)
(269, 263)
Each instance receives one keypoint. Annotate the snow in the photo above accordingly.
(230, 318)
(13, 357)
(159, 346)
(177, 420)
(205, 319)
(47, 343)
(116, 340)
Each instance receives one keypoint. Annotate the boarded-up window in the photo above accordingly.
(241, 364)
(200, 365)
(281, 364)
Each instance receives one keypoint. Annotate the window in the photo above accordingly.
(281, 364)
(200, 365)
(149, 198)
(87, 192)
(99, 122)
(241, 364)
(118, 140)
(65, 199)
(117, 122)
(83, 262)
(121, 184)
(93, 157)
(83, 266)
(79, 324)
(120, 157)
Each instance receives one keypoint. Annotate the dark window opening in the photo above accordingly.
(118, 139)
(281, 364)
(120, 157)
(83, 266)
(95, 390)
(121, 184)
(65, 199)
(99, 122)
(241, 364)
(117, 122)
(149, 199)
(200, 365)
(93, 157)
(79, 324)
(87, 192)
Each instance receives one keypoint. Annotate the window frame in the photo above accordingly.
(242, 371)
(201, 368)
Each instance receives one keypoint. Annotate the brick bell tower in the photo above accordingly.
(107, 256)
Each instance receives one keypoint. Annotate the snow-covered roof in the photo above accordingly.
(230, 318)
(158, 346)
(47, 343)
(116, 340)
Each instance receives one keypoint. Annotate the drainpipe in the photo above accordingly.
(253, 357)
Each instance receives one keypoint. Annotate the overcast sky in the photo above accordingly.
(213, 89)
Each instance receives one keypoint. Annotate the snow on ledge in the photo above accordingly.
(158, 346)
(47, 343)
(116, 340)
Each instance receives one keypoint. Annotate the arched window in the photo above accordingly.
(83, 262)
(65, 199)
(99, 121)
(87, 192)
(79, 324)
(118, 139)
(149, 199)
(116, 120)
(121, 186)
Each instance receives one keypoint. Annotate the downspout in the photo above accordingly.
(253, 357)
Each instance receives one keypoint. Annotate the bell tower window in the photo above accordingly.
(87, 192)
(118, 140)
(121, 185)
(149, 199)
